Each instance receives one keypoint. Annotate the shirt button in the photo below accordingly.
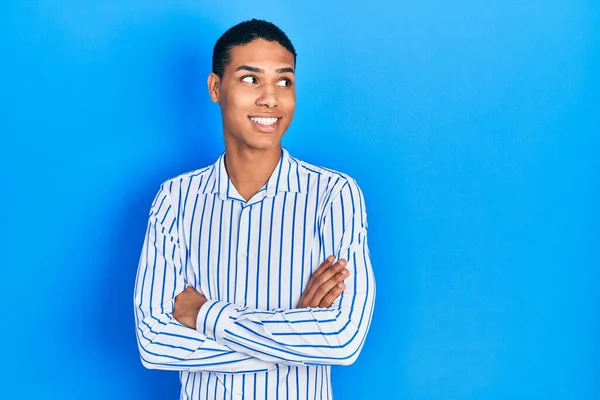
(233, 369)
(243, 254)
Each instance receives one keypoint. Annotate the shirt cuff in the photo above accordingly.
(213, 318)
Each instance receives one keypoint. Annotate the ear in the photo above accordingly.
(214, 82)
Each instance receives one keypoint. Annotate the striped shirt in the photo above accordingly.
(252, 260)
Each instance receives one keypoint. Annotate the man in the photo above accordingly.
(232, 289)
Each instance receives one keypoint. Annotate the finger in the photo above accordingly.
(324, 265)
(332, 295)
(322, 268)
(330, 272)
(325, 276)
(324, 288)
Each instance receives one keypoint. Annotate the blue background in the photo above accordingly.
(472, 127)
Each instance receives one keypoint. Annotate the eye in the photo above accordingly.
(284, 82)
(249, 79)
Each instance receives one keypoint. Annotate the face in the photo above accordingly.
(257, 94)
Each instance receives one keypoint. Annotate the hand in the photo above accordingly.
(187, 306)
(325, 284)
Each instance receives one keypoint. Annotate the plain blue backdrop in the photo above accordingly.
(472, 127)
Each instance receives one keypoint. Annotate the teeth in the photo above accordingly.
(264, 121)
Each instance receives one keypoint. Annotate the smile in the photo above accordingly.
(264, 121)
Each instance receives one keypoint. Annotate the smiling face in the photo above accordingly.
(257, 94)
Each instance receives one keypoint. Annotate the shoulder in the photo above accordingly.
(186, 180)
(335, 185)
(175, 189)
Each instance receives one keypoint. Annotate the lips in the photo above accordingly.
(265, 124)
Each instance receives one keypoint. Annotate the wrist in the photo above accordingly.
(193, 321)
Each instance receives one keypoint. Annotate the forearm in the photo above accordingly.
(166, 344)
(332, 335)
(163, 342)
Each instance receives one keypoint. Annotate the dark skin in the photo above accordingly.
(325, 285)
(259, 83)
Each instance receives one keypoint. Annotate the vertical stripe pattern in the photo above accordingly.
(252, 259)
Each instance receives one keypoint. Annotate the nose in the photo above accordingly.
(268, 97)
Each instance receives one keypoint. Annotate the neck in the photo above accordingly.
(249, 168)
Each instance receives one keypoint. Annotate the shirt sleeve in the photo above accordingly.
(163, 342)
(309, 336)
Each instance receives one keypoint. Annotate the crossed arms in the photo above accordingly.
(216, 336)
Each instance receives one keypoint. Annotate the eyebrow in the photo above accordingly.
(262, 71)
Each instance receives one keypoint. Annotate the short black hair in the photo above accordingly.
(244, 33)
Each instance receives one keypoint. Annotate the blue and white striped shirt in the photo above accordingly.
(252, 260)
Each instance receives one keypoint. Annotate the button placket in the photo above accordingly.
(242, 254)
(242, 245)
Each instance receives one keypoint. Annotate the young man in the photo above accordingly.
(232, 289)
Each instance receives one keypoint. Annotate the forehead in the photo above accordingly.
(262, 54)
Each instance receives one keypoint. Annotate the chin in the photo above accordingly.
(264, 144)
(262, 141)
(256, 140)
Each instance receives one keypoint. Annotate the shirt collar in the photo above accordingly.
(288, 176)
